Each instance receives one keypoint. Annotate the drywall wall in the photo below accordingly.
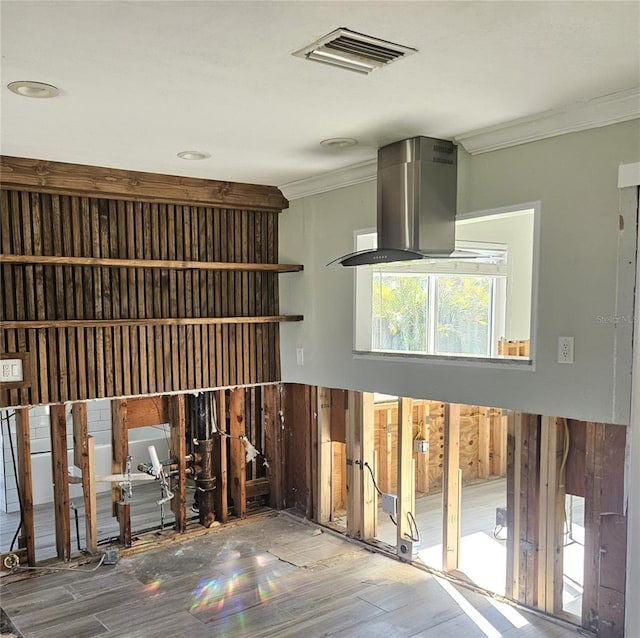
(586, 282)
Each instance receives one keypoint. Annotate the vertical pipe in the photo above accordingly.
(206, 483)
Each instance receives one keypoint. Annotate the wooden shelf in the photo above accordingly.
(173, 321)
(105, 262)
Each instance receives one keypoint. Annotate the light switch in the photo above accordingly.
(11, 370)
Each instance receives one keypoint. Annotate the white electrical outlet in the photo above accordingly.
(565, 349)
(300, 356)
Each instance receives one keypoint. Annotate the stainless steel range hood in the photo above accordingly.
(416, 203)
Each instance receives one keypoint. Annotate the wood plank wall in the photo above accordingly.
(482, 444)
(136, 330)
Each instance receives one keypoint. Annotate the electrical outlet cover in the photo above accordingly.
(389, 504)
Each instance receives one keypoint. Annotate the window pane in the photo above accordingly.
(399, 316)
(463, 311)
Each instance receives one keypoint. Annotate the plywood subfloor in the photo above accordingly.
(272, 576)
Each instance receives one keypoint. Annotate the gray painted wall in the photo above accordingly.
(586, 282)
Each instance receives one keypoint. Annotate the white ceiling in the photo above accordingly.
(141, 81)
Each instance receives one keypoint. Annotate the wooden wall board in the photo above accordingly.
(337, 417)
(146, 411)
(298, 421)
(24, 174)
(338, 480)
(98, 283)
(273, 442)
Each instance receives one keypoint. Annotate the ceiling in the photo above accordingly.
(141, 81)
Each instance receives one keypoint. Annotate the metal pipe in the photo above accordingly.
(206, 484)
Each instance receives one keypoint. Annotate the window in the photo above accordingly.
(450, 307)
(445, 308)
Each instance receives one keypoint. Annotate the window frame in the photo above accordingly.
(496, 361)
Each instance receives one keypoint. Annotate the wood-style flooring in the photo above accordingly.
(272, 575)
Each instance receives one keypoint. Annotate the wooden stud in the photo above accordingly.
(405, 482)
(220, 459)
(354, 467)
(325, 457)
(551, 516)
(119, 446)
(24, 478)
(451, 488)
(369, 497)
(177, 422)
(60, 474)
(84, 458)
(237, 473)
(513, 516)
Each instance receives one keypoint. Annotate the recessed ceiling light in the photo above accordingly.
(27, 88)
(339, 142)
(193, 155)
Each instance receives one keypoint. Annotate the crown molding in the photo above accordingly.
(601, 111)
(348, 176)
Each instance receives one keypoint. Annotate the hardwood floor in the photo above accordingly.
(272, 575)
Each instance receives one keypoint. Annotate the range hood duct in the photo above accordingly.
(416, 203)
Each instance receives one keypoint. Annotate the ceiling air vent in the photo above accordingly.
(354, 51)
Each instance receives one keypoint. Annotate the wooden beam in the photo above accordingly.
(451, 488)
(405, 480)
(119, 453)
(84, 458)
(60, 477)
(312, 465)
(45, 176)
(325, 458)
(238, 473)
(551, 515)
(177, 422)
(354, 469)
(369, 498)
(27, 538)
(166, 321)
(513, 515)
(525, 503)
(220, 459)
(169, 264)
